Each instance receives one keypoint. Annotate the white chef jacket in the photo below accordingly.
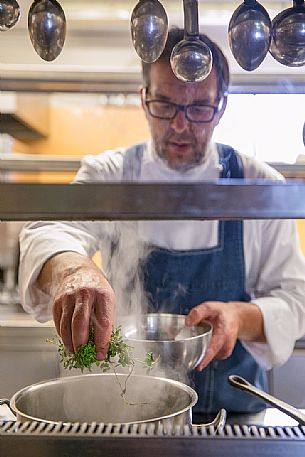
(274, 263)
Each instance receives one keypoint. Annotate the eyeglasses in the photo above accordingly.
(194, 112)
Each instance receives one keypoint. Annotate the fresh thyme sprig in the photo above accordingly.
(119, 354)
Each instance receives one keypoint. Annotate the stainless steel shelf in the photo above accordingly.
(290, 171)
(43, 162)
(224, 199)
(33, 162)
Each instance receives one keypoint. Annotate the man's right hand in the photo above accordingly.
(82, 297)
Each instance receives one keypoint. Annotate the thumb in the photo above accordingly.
(194, 317)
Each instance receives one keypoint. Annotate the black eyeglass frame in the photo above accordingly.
(180, 107)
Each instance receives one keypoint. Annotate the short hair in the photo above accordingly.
(220, 63)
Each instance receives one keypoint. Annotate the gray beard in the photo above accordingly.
(198, 159)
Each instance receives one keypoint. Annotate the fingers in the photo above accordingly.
(73, 311)
(57, 312)
(65, 326)
(222, 316)
(103, 322)
(79, 323)
(201, 312)
(220, 347)
(216, 344)
(71, 314)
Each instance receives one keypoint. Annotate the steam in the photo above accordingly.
(125, 260)
(124, 253)
(102, 402)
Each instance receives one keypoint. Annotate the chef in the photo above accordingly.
(245, 277)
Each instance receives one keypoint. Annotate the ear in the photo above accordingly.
(222, 109)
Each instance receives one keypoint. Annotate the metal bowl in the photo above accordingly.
(175, 345)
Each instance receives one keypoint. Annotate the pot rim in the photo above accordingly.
(193, 396)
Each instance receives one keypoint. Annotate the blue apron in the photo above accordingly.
(175, 281)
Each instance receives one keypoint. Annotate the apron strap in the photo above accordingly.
(231, 162)
(132, 162)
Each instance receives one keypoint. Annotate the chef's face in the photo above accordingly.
(178, 141)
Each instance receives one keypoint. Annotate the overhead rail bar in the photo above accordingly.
(128, 83)
(219, 200)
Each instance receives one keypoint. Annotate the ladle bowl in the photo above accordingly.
(9, 14)
(191, 60)
(288, 36)
(47, 28)
(149, 29)
(175, 345)
(250, 34)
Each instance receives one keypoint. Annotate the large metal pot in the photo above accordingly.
(98, 398)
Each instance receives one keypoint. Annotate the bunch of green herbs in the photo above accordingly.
(119, 354)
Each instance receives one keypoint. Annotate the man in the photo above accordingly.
(246, 277)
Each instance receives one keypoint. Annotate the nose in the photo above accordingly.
(180, 122)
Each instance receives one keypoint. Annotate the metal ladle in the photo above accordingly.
(243, 384)
(47, 28)
(9, 14)
(149, 29)
(250, 34)
(288, 36)
(191, 59)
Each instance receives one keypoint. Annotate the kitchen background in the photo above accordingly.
(87, 101)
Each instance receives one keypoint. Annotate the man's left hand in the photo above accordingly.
(230, 321)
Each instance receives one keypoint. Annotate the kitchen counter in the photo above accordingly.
(26, 357)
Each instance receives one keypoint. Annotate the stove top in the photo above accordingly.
(100, 440)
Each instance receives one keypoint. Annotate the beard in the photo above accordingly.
(180, 152)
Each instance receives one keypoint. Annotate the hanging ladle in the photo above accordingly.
(47, 28)
(9, 14)
(191, 59)
(243, 384)
(250, 34)
(149, 29)
(288, 36)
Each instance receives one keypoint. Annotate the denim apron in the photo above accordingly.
(175, 281)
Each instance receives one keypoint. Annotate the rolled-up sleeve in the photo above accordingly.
(38, 242)
(277, 282)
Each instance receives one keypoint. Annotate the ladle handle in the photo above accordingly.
(243, 384)
(191, 26)
(218, 423)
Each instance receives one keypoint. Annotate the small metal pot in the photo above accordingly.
(176, 346)
(98, 398)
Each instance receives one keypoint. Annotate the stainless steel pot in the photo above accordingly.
(98, 398)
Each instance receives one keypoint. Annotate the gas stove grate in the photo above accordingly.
(150, 430)
(26, 439)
